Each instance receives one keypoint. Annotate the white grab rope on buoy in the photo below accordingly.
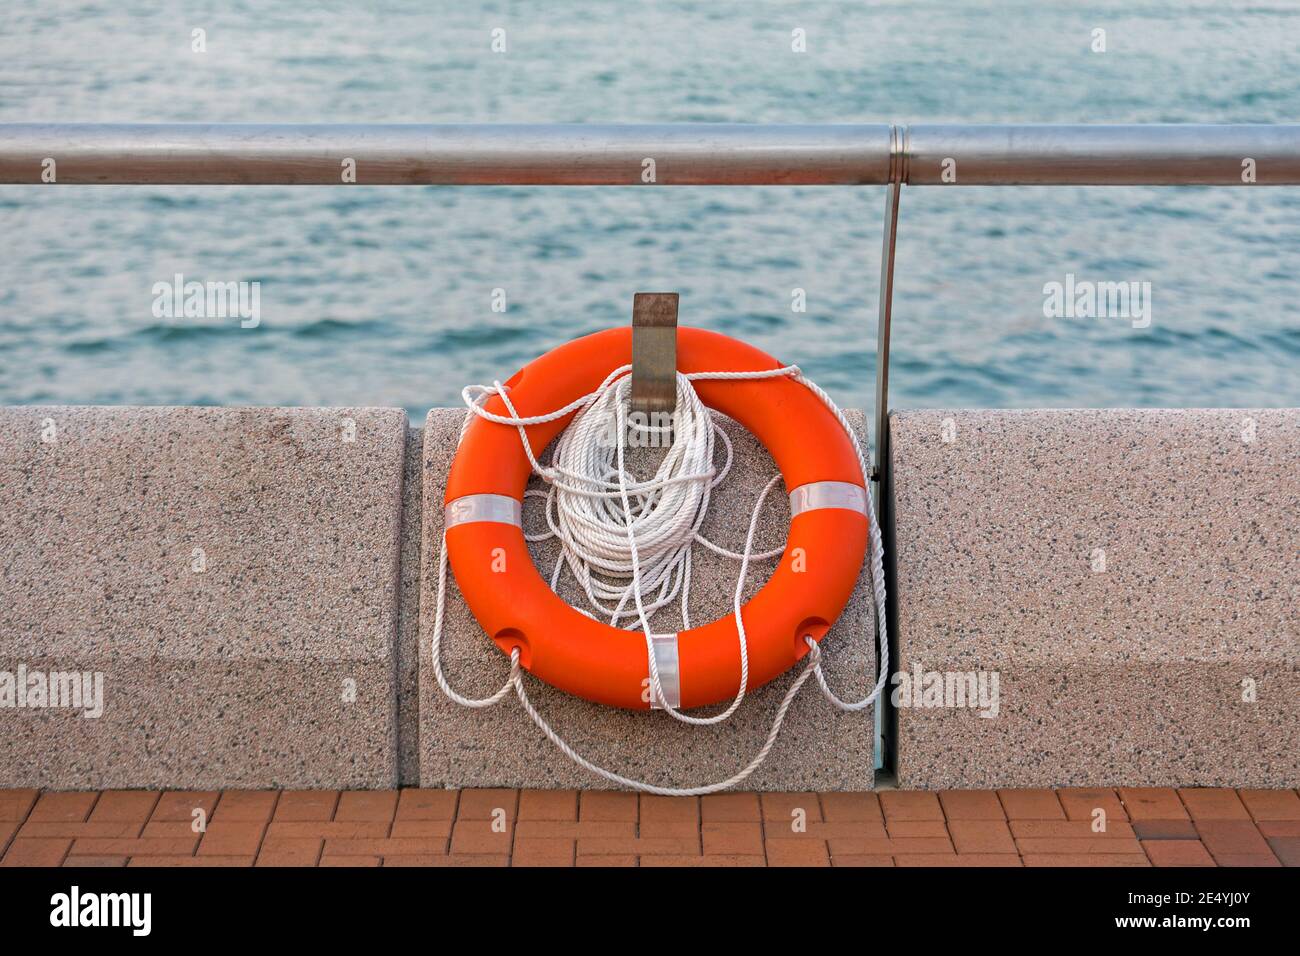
(628, 539)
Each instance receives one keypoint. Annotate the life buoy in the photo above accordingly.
(807, 591)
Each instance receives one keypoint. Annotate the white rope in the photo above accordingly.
(624, 538)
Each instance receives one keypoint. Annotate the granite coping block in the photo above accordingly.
(1130, 576)
(819, 747)
(232, 575)
(251, 591)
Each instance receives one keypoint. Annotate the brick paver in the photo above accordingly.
(301, 805)
(971, 805)
(124, 806)
(417, 804)
(1271, 805)
(910, 805)
(232, 838)
(179, 806)
(1177, 853)
(607, 805)
(852, 808)
(981, 836)
(1152, 803)
(548, 805)
(1031, 805)
(1141, 826)
(1206, 804)
(1182, 829)
(730, 808)
(62, 807)
(16, 804)
(249, 806)
(1084, 804)
(367, 805)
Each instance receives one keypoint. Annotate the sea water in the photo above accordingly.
(400, 295)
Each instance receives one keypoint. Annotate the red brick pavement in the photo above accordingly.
(1068, 827)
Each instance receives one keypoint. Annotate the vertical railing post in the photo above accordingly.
(881, 475)
(894, 192)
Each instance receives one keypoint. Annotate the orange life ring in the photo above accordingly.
(565, 648)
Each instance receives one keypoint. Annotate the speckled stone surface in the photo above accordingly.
(1124, 572)
(271, 666)
(819, 747)
(408, 634)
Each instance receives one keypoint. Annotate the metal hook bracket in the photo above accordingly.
(654, 353)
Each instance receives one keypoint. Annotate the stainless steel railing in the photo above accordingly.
(684, 155)
(664, 155)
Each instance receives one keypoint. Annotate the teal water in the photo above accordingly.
(383, 295)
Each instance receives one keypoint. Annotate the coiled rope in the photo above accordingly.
(629, 539)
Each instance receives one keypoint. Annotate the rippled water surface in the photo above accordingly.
(383, 295)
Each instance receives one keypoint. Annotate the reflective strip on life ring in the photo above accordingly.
(668, 661)
(807, 591)
(828, 494)
(499, 508)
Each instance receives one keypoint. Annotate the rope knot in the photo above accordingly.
(814, 649)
